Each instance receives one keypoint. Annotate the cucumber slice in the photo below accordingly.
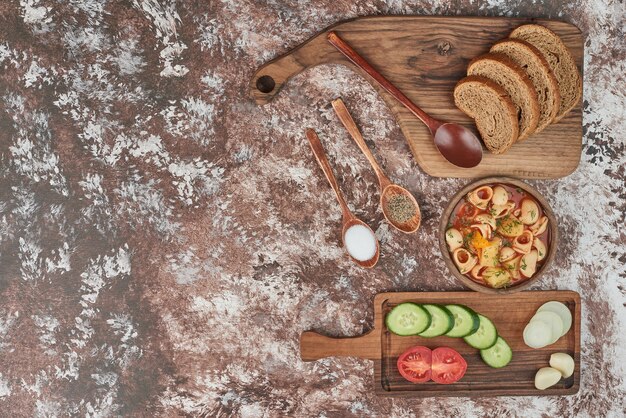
(485, 337)
(442, 321)
(466, 321)
(407, 319)
(497, 356)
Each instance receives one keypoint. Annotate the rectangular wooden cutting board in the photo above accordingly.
(425, 56)
(510, 314)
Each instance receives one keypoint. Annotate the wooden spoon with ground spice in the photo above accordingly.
(399, 206)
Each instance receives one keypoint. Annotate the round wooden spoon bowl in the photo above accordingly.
(552, 226)
(408, 226)
(365, 263)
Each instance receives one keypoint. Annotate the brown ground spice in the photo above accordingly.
(400, 208)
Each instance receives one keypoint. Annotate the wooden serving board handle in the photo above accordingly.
(269, 79)
(314, 346)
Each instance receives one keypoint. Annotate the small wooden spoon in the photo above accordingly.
(387, 189)
(455, 142)
(348, 218)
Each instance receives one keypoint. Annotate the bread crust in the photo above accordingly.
(504, 98)
(529, 88)
(567, 103)
(549, 114)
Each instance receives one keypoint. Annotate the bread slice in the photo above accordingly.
(538, 70)
(561, 61)
(512, 78)
(492, 110)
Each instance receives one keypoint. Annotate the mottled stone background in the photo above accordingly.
(163, 240)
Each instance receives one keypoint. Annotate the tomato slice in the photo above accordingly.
(414, 364)
(447, 365)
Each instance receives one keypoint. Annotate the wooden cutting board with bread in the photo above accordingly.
(535, 78)
(516, 82)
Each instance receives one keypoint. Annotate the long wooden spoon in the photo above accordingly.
(455, 142)
(349, 219)
(390, 193)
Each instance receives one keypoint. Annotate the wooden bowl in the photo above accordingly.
(445, 218)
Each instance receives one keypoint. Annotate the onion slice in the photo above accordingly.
(561, 310)
(537, 334)
(553, 320)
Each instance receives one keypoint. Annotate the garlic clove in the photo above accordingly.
(547, 377)
(562, 362)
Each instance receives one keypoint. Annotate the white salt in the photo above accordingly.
(360, 242)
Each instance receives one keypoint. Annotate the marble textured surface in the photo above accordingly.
(163, 240)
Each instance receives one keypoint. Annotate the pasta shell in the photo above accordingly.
(512, 266)
(496, 277)
(540, 226)
(485, 218)
(500, 196)
(523, 243)
(480, 197)
(541, 249)
(477, 272)
(515, 274)
(507, 253)
(454, 239)
(468, 210)
(528, 264)
(500, 211)
(529, 211)
(464, 260)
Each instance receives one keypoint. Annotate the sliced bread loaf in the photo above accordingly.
(561, 61)
(492, 110)
(512, 78)
(538, 70)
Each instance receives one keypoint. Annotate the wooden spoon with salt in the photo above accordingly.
(349, 220)
(393, 197)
